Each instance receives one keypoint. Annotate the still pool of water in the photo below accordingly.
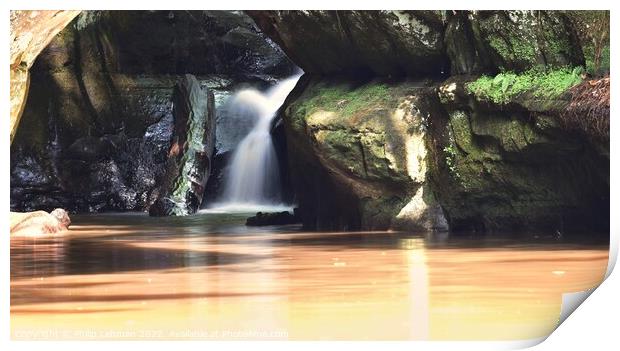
(128, 276)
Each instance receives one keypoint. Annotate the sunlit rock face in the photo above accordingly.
(31, 31)
(366, 153)
(411, 156)
(358, 155)
(359, 42)
(98, 121)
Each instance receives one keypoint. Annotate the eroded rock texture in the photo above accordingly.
(359, 42)
(377, 153)
(39, 223)
(30, 32)
(358, 155)
(189, 158)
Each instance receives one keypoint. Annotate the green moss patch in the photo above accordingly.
(543, 84)
(343, 100)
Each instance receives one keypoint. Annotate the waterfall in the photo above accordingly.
(252, 179)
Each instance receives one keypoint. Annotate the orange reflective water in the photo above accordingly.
(210, 277)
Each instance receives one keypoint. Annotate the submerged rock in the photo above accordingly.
(272, 218)
(39, 223)
(189, 158)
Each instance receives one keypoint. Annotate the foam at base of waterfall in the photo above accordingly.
(245, 208)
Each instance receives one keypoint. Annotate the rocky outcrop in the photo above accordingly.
(513, 166)
(414, 156)
(380, 43)
(422, 43)
(375, 153)
(358, 157)
(492, 41)
(39, 223)
(377, 134)
(519, 40)
(189, 158)
(31, 31)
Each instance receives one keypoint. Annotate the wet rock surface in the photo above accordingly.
(273, 218)
(190, 156)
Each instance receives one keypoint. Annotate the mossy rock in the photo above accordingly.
(358, 146)
(520, 40)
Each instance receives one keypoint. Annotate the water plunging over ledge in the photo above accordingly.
(252, 181)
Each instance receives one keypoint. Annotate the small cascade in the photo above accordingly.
(252, 179)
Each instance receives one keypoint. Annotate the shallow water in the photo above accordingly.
(128, 276)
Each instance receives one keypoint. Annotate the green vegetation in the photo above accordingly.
(345, 100)
(516, 49)
(450, 152)
(505, 87)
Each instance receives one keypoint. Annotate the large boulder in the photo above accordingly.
(189, 157)
(39, 223)
(359, 42)
(358, 157)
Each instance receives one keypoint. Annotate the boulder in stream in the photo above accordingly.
(39, 223)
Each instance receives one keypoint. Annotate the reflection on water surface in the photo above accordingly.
(210, 277)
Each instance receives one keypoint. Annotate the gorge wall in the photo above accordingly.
(390, 127)
(384, 132)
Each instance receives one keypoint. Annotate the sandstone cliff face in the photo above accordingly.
(31, 31)
(421, 43)
(512, 166)
(428, 155)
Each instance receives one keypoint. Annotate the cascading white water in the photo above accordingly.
(253, 176)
